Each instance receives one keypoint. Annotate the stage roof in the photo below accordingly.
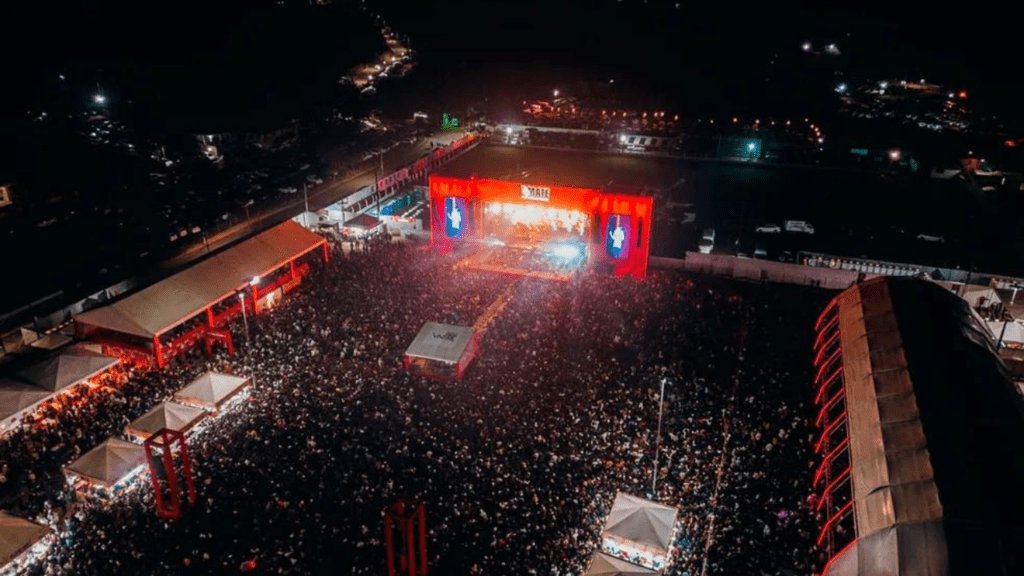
(605, 565)
(164, 305)
(363, 221)
(440, 342)
(936, 436)
(17, 535)
(108, 463)
(643, 521)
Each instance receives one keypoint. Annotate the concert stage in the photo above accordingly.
(539, 230)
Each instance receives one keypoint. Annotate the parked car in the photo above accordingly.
(769, 229)
(799, 226)
(705, 245)
(709, 234)
(288, 190)
(314, 179)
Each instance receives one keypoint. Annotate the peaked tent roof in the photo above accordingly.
(440, 342)
(67, 368)
(109, 462)
(605, 565)
(17, 396)
(642, 521)
(171, 301)
(166, 415)
(211, 389)
(364, 221)
(17, 535)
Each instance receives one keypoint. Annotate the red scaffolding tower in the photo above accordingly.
(407, 556)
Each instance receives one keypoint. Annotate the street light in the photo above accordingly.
(657, 442)
(99, 98)
(556, 93)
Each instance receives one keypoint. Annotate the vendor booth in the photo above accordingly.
(639, 531)
(214, 392)
(605, 565)
(362, 226)
(106, 470)
(441, 351)
(21, 541)
(171, 415)
(16, 400)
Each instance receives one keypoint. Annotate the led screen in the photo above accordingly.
(455, 217)
(618, 236)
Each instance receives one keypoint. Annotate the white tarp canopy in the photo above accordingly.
(980, 296)
(70, 367)
(641, 521)
(211, 390)
(18, 535)
(605, 565)
(1013, 333)
(108, 463)
(170, 302)
(440, 342)
(170, 415)
(15, 398)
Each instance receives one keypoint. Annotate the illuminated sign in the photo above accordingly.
(536, 193)
(449, 123)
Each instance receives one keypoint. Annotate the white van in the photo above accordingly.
(799, 226)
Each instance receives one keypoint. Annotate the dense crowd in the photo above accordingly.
(518, 463)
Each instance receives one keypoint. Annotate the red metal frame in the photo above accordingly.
(828, 459)
(823, 331)
(833, 520)
(410, 519)
(828, 431)
(824, 313)
(163, 441)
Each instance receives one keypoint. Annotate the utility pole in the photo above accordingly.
(657, 442)
(305, 197)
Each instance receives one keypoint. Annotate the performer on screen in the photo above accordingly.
(618, 235)
(455, 217)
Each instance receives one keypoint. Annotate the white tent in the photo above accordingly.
(605, 565)
(70, 367)
(16, 536)
(440, 342)
(1013, 333)
(17, 398)
(641, 521)
(211, 390)
(109, 463)
(165, 415)
(980, 296)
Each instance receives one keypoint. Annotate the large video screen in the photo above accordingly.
(618, 235)
(455, 217)
(531, 223)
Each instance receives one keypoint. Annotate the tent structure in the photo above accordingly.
(1011, 333)
(74, 365)
(16, 399)
(108, 464)
(212, 391)
(165, 415)
(647, 523)
(935, 436)
(52, 341)
(441, 350)
(170, 302)
(17, 536)
(362, 224)
(605, 565)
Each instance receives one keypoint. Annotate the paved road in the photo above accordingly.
(319, 197)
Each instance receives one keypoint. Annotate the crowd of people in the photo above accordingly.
(518, 463)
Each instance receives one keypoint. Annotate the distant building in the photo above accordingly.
(6, 196)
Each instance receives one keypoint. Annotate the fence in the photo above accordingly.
(760, 270)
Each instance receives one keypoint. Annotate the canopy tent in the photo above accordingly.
(212, 390)
(929, 408)
(1011, 332)
(170, 415)
(641, 521)
(52, 341)
(74, 365)
(440, 342)
(980, 296)
(17, 398)
(362, 224)
(16, 536)
(166, 304)
(109, 463)
(605, 565)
